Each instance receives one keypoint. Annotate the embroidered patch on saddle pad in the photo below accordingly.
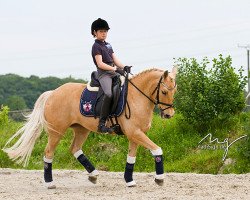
(88, 101)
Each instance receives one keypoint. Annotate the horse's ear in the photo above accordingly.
(174, 70)
(165, 75)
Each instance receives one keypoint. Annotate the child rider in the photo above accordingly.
(107, 64)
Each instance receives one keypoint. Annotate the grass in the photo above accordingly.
(177, 138)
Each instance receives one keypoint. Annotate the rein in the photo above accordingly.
(155, 102)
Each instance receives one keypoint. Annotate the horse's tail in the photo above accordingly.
(31, 130)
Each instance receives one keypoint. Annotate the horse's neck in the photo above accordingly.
(142, 107)
(147, 82)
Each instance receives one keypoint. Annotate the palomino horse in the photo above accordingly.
(57, 110)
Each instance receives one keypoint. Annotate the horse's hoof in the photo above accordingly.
(50, 185)
(131, 184)
(93, 179)
(93, 176)
(159, 182)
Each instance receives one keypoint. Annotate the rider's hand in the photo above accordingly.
(127, 69)
(120, 71)
(114, 68)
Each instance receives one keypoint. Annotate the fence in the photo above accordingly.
(19, 115)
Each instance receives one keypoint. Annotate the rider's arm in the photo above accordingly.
(103, 65)
(117, 62)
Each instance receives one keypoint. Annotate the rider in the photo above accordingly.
(107, 66)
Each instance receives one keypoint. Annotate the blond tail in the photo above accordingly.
(32, 129)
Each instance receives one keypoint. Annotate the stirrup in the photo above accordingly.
(116, 126)
(104, 129)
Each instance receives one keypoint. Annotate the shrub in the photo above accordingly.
(4, 115)
(205, 94)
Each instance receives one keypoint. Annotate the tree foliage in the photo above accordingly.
(16, 102)
(205, 93)
(18, 92)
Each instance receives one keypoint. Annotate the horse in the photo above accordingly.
(57, 110)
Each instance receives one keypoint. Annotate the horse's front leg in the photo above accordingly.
(140, 138)
(128, 175)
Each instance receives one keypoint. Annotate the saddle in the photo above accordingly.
(116, 90)
(92, 95)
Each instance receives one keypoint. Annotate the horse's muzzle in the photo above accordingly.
(165, 116)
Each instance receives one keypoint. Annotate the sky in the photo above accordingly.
(52, 37)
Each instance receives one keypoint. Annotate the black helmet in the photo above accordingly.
(98, 25)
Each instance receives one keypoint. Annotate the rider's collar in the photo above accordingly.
(100, 42)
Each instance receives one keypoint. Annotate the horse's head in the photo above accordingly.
(165, 93)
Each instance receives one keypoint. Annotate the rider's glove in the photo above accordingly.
(120, 71)
(127, 69)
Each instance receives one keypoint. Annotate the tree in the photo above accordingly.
(16, 103)
(28, 88)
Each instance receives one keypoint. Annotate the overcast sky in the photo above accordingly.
(52, 37)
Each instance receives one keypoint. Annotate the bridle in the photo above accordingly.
(157, 90)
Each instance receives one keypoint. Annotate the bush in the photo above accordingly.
(243, 149)
(4, 115)
(206, 94)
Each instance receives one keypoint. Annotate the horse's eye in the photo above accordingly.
(163, 92)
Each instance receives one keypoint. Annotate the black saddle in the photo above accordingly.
(116, 91)
(94, 79)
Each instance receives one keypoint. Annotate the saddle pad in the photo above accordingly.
(88, 101)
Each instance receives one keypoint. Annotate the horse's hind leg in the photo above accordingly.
(80, 136)
(53, 140)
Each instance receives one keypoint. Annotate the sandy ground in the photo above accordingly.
(73, 185)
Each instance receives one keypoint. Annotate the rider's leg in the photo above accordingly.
(106, 84)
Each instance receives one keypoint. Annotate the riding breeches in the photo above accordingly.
(106, 84)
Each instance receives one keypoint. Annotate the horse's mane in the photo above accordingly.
(146, 71)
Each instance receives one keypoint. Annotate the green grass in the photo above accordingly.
(177, 138)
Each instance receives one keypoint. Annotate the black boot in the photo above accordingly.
(105, 110)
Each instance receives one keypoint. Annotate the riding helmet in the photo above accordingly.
(98, 25)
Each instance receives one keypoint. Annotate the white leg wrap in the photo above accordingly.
(47, 160)
(131, 184)
(78, 153)
(94, 173)
(131, 160)
(159, 176)
(50, 185)
(157, 152)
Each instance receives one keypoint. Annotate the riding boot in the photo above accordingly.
(105, 111)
